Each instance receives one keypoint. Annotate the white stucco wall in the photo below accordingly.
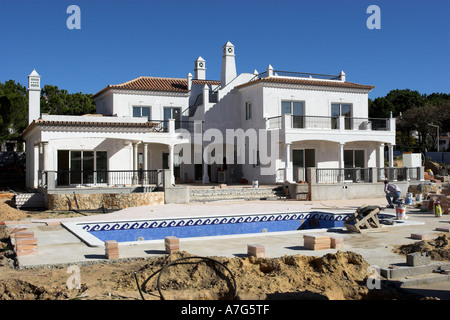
(121, 104)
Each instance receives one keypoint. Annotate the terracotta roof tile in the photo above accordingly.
(308, 82)
(89, 124)
(157, 84)
(203, 82)
(154, 84)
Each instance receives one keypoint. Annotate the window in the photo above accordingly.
(142, 112)
(296, 109)
(344, 110)
(248, 110)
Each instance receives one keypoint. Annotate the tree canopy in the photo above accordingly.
(59, 101)
(13, 110)
(418, 117)
(14, 106)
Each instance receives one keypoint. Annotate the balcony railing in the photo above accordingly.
(354, 175)
(164, 126)
(343, 175)
(328, 123)
(378, 124)
(109, 178)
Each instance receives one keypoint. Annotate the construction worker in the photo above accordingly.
(392, 191)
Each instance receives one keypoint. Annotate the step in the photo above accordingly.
(30, 200)
(238, 193)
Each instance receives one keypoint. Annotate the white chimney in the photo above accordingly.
(269, 71)
(200, 69)
(34, 96)
(189, 81)
(228, 64)
(342, 76)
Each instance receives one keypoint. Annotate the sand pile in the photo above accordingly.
(438, 249)
(8, 213)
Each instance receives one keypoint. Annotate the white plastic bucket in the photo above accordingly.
(400, 213)
(418, 197)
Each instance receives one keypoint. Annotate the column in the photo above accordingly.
(380, 163)
(380, 156)
(135, 164)
(392, 171)
(145, 164)
(39, 169)
(171, 164)
(341, 176)
(341, 155)
(288, 164)
(391, 155)
(45, 163)
(205, 169)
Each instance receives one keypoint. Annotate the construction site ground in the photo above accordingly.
(289, 271)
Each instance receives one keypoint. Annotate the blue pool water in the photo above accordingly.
(127, 231)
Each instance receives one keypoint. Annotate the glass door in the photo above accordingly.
(82, 167)
(63, 168)
(344, 110)
(102, 167)
(75, 167)
(353, 161)
(298, 164)
(88, 167)
(296, 109)
(172, 113)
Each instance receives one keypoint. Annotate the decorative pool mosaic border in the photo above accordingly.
(185, 222)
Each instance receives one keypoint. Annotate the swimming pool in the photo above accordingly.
(130, 231)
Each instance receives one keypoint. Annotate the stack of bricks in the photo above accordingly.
(256, 250)
(111, 249)
(337, 243)
(316, 242)
(25, 243)
(445, 201)
(172, 244)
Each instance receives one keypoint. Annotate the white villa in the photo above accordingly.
(319, 121)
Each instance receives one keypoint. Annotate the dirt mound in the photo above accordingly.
(9, 213)
(16, 289)
(438, 249)
(333, 276)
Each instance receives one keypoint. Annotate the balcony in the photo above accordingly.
(334, 129)
(329, 123)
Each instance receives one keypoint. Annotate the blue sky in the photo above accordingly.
(121, 40)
